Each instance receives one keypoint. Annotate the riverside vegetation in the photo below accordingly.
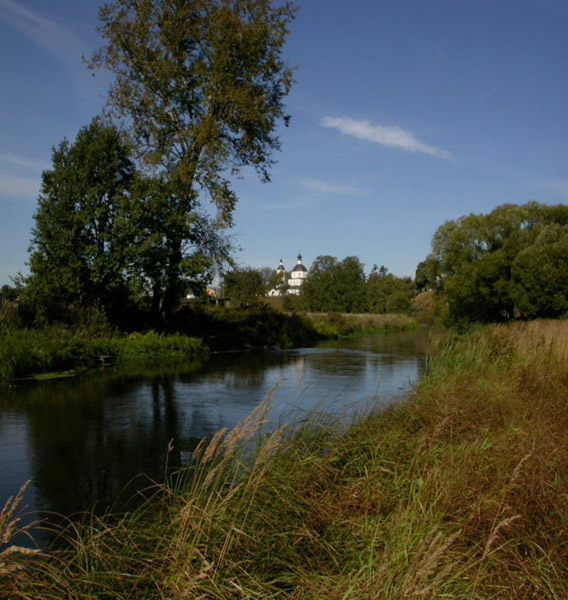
(335, 325)
(26, 351)
(457, 492)
(73, 347)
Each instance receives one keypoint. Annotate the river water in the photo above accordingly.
(80, 441)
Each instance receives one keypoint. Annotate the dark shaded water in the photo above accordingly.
(80, 441)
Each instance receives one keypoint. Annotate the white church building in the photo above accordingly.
(297, 277)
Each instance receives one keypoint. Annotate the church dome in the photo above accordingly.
(299, 266)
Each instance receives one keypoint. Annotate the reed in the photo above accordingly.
(458, 492)
(9, 528)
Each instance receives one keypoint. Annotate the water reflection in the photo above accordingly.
(81, 440)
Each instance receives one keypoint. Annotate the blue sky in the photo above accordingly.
(405, 113)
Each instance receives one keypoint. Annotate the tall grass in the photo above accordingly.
(55, 348)
(11, 564)
(459, 492)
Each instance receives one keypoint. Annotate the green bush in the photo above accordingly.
(232, 329)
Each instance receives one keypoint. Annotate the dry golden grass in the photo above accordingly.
(10, 556)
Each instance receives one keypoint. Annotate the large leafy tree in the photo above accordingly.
(426, 277)
(244, 286)
(155, 208)
(386, 293)
(540, 275)
(317, 290)
(496, 266)
(335, 285)
(81, 239)
(200, 86)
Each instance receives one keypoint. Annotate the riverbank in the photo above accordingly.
(52, 349)
(63, 350)
(55, 349)
(458, 492)
(341, 325)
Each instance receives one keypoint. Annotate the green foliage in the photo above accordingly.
(497, 266)
(334, 286)
(336, 325)
(427, 273)
(244, 286)
(155, 346)
(26, 352)
(80, 243)
(278, 281)
(232, 329)
(387, 293)
(293, 303)
(177, 247)
(540, 275)
(8, 294)
(30, 351)
(342, 287)
(200, 88)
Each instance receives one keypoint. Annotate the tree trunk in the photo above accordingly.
(156, 307)
(172, 292)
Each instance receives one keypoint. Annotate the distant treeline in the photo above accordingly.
(509, 264)
(331, 286)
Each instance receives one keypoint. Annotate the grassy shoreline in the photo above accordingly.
(51, 350)
(458, 492)
(55, 350)
(340, 325)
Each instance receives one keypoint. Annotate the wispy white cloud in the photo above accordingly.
(22, 162)
(298, 203)
(389, 136)
(315, 185)
(558, 186)
(57, 40)
(15, 186)
(20, 177)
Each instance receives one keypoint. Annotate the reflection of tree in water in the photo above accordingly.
(89, 436)
(388, 351)
(88, 445)
(340, 362)
(240, 370)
